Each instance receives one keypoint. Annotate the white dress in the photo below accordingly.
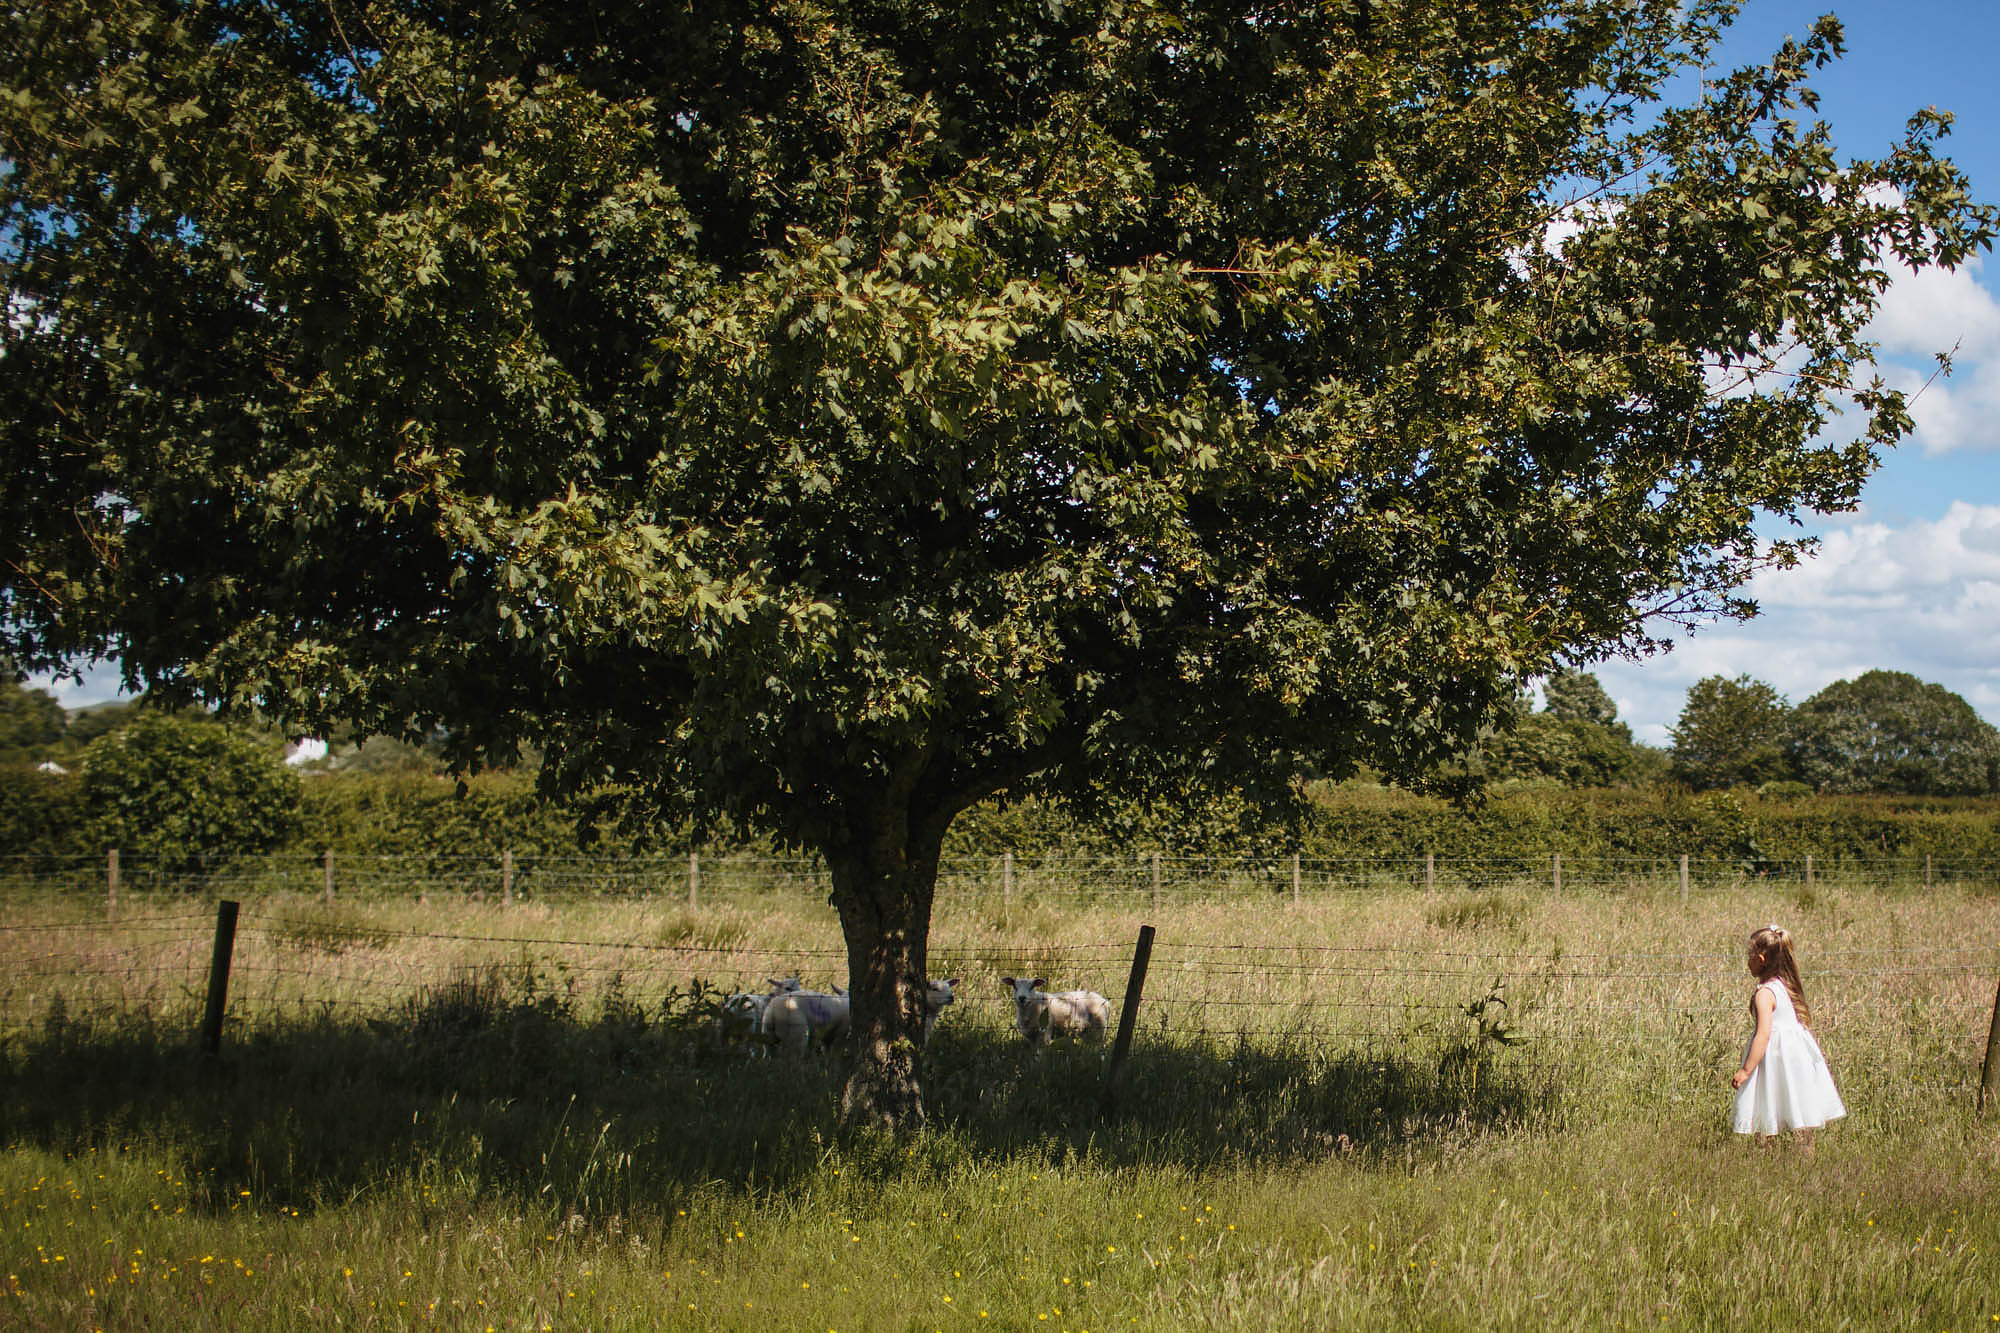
(1791, 1087)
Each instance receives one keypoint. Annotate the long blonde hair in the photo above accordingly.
(1772, 947)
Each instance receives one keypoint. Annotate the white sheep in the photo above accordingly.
(738, 1016)
(741, 1014)
(937, 994)
(795, 1022)
(1042, 1015)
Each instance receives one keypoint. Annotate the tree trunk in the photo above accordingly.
(884, 898)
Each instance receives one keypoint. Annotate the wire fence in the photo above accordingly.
(1146, 878)
(1543, 1003)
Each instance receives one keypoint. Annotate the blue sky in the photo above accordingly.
(1912, 581)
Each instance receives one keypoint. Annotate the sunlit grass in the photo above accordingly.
(411, 1127)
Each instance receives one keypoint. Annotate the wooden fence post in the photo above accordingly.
(1430, 872)
(1156, 881)
(326, 860)
(1128, 1015)
(1556, 871)
(1295, 879)
(507, 878)
(1989, 1076)
(1927, 870)
(694, 880)
(218, 977)
(1809, 874)
(111, 885)
(1684, 877)
(1007, 881)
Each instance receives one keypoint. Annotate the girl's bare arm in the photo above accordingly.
(1762, 1004)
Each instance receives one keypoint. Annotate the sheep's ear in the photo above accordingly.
(1037, 984)
(954, 982)
(1008, 982)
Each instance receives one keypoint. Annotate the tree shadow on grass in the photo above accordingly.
(488, 1090)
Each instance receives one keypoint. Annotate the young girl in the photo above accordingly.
(1783, 1082)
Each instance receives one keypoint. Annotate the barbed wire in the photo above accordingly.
(287, 960)
(121, 923)
(1209, 955)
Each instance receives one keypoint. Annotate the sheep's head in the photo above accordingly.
(742, 1009)
(938, 994)
(1025, 999)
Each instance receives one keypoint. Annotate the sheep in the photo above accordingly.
(1041, 1015)
(739, 1016)
(937, 994)
(797, 1021)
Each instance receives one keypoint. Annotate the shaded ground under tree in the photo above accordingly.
(624, 1112)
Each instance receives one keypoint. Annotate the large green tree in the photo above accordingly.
(826, 414)
(1730, 732)
(1887, 731)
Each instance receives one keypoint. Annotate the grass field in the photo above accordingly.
(1395, 1110)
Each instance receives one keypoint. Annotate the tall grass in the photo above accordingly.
(1390, 1110)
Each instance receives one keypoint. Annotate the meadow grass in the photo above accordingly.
(1392, 1110)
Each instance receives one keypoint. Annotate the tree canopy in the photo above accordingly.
(1578, 696)
(823, 415)
(1575, 741)
(32, 722)
(1887, 731)
(1732, 732)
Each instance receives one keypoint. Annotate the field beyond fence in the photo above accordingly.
(1322, 1066)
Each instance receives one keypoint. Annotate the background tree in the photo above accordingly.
(183, 791)
(1577, 696)
(1731, 733)
(822, 416)
(94, 720)
(32, 722)
(1887, 731)
(381, 754)
(1575, 740)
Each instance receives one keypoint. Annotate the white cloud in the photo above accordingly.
(99, 684)
(1877, 566)
(1930, 311)
(1923, 597)
(1961, 411)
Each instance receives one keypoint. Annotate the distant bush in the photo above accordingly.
(419, 814)
(184, 790)
(41, 814)
(415, 815)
